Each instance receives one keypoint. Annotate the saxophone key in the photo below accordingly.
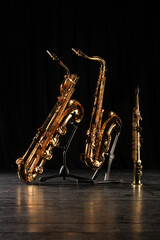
(38, 170)
(62, 130)
(55, 141)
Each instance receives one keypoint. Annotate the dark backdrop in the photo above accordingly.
(125, 34)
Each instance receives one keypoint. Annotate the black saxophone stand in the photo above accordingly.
(110, 156)
(64, 171)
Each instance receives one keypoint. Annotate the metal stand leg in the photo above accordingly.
(108, 168)
(64, 171)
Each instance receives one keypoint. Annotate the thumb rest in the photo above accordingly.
(99, 137)
(65, 111)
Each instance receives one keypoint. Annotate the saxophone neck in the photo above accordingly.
(94, 58)
(55, 58)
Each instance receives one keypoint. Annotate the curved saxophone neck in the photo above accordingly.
(55, 58)
(94, 58)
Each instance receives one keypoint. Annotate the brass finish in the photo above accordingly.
(98, 138)
(136, 141)
(64, 112)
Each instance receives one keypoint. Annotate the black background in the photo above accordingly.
(126, 34)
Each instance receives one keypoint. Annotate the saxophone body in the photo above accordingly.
(136, 141)
(99, 136)
(48, 136)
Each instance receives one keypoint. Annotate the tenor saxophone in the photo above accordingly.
(48, 135)
(136, 141)
(99, 136)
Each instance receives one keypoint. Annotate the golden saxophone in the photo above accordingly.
(48, 136)
(98, 138)
(136, 141)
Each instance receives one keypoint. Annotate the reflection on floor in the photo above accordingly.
(58, 209)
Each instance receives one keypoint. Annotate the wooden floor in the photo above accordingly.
(59, 209)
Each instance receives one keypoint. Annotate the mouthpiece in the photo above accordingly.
(78, 52)
(137, 90)
(49, 53)
(53, 56)
(75, 50)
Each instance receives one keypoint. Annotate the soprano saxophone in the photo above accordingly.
(136, 141)
(99, 137)
(64, 112)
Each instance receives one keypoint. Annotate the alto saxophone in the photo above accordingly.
(136, 141)
(48, 136)
(98, 137)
